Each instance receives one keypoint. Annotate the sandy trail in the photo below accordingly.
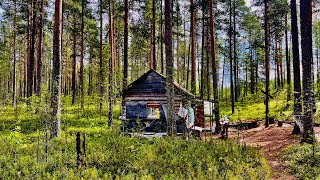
(271, 141)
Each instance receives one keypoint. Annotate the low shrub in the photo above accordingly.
(303, 160)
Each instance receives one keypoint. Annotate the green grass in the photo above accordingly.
(109, 155)
(303, 161)
(253, 108)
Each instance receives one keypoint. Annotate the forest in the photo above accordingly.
(159, 89)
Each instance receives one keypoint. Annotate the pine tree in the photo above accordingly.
(306, 49)
(171, 122)
(56, 72)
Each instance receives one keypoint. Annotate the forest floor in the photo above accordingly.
(272, 141)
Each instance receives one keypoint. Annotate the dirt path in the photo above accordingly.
(271, 141)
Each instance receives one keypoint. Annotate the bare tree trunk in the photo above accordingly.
(318, 72)
(32, 52)
(202, 54)
(208, 68)
(288, 62)
(184, 53)
(171, 122)
(40, 50)
(278, 64)
(126, 41)
(154, 61)
(74, 62)
(161, 38)
(188, 68)
(281, 65)
(82, 56)
(222, 79)
(21, 72)
(66, 75)
(296, 65)
(235, 64)
(214, 69)
(178, 44)
(56, 73)
(90, 76)
(306, 49)
(251, 72)
(14, 98)
(193, 49)
(111, 65)
(231, 59)
(267, 64)
(256, 71)
(25, 72)
(101, 61)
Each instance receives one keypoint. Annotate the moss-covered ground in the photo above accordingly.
(27, 153)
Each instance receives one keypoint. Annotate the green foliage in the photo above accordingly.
(303, 160)
(114, 156)
(252, 107)
(110, 155)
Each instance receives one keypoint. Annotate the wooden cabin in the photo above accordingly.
(150, 91)
(151, 88)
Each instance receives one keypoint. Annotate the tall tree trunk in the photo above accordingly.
(256, 71)
(74, 62)
(288, 61)
(56, 72)
(40, 50)
(278, 64)
(171, 122)
(184, 53)
(235, 64)
(208, 67)
(154, 61)
(32, 52)
(281, 65)
(318, 72)
(82, 56)
(251, 72)
(90, 76)
(214, 69)
(126, 41)
(202, 54)
(188, 67)
(14, 98)
(101, 61)
(275, 67)
(161, 38)
(193, 49)
(66, 74)
(246, 87)
(231, 59)
(267, 64)
(306, 49)
(178, 43)
(111, 65)
(222, 79)
(25, 72)
(296, 65)
(21, 73)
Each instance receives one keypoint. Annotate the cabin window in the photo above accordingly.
(154, 111)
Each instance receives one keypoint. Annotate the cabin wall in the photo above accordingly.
(152, 99)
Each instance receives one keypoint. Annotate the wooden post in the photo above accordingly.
(84, 144)
(78, 148)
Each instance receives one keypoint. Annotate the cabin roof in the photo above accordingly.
(153, 82)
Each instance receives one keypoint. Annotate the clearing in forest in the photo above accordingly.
(272, 141)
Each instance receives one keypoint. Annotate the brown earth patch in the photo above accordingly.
(271, 141)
